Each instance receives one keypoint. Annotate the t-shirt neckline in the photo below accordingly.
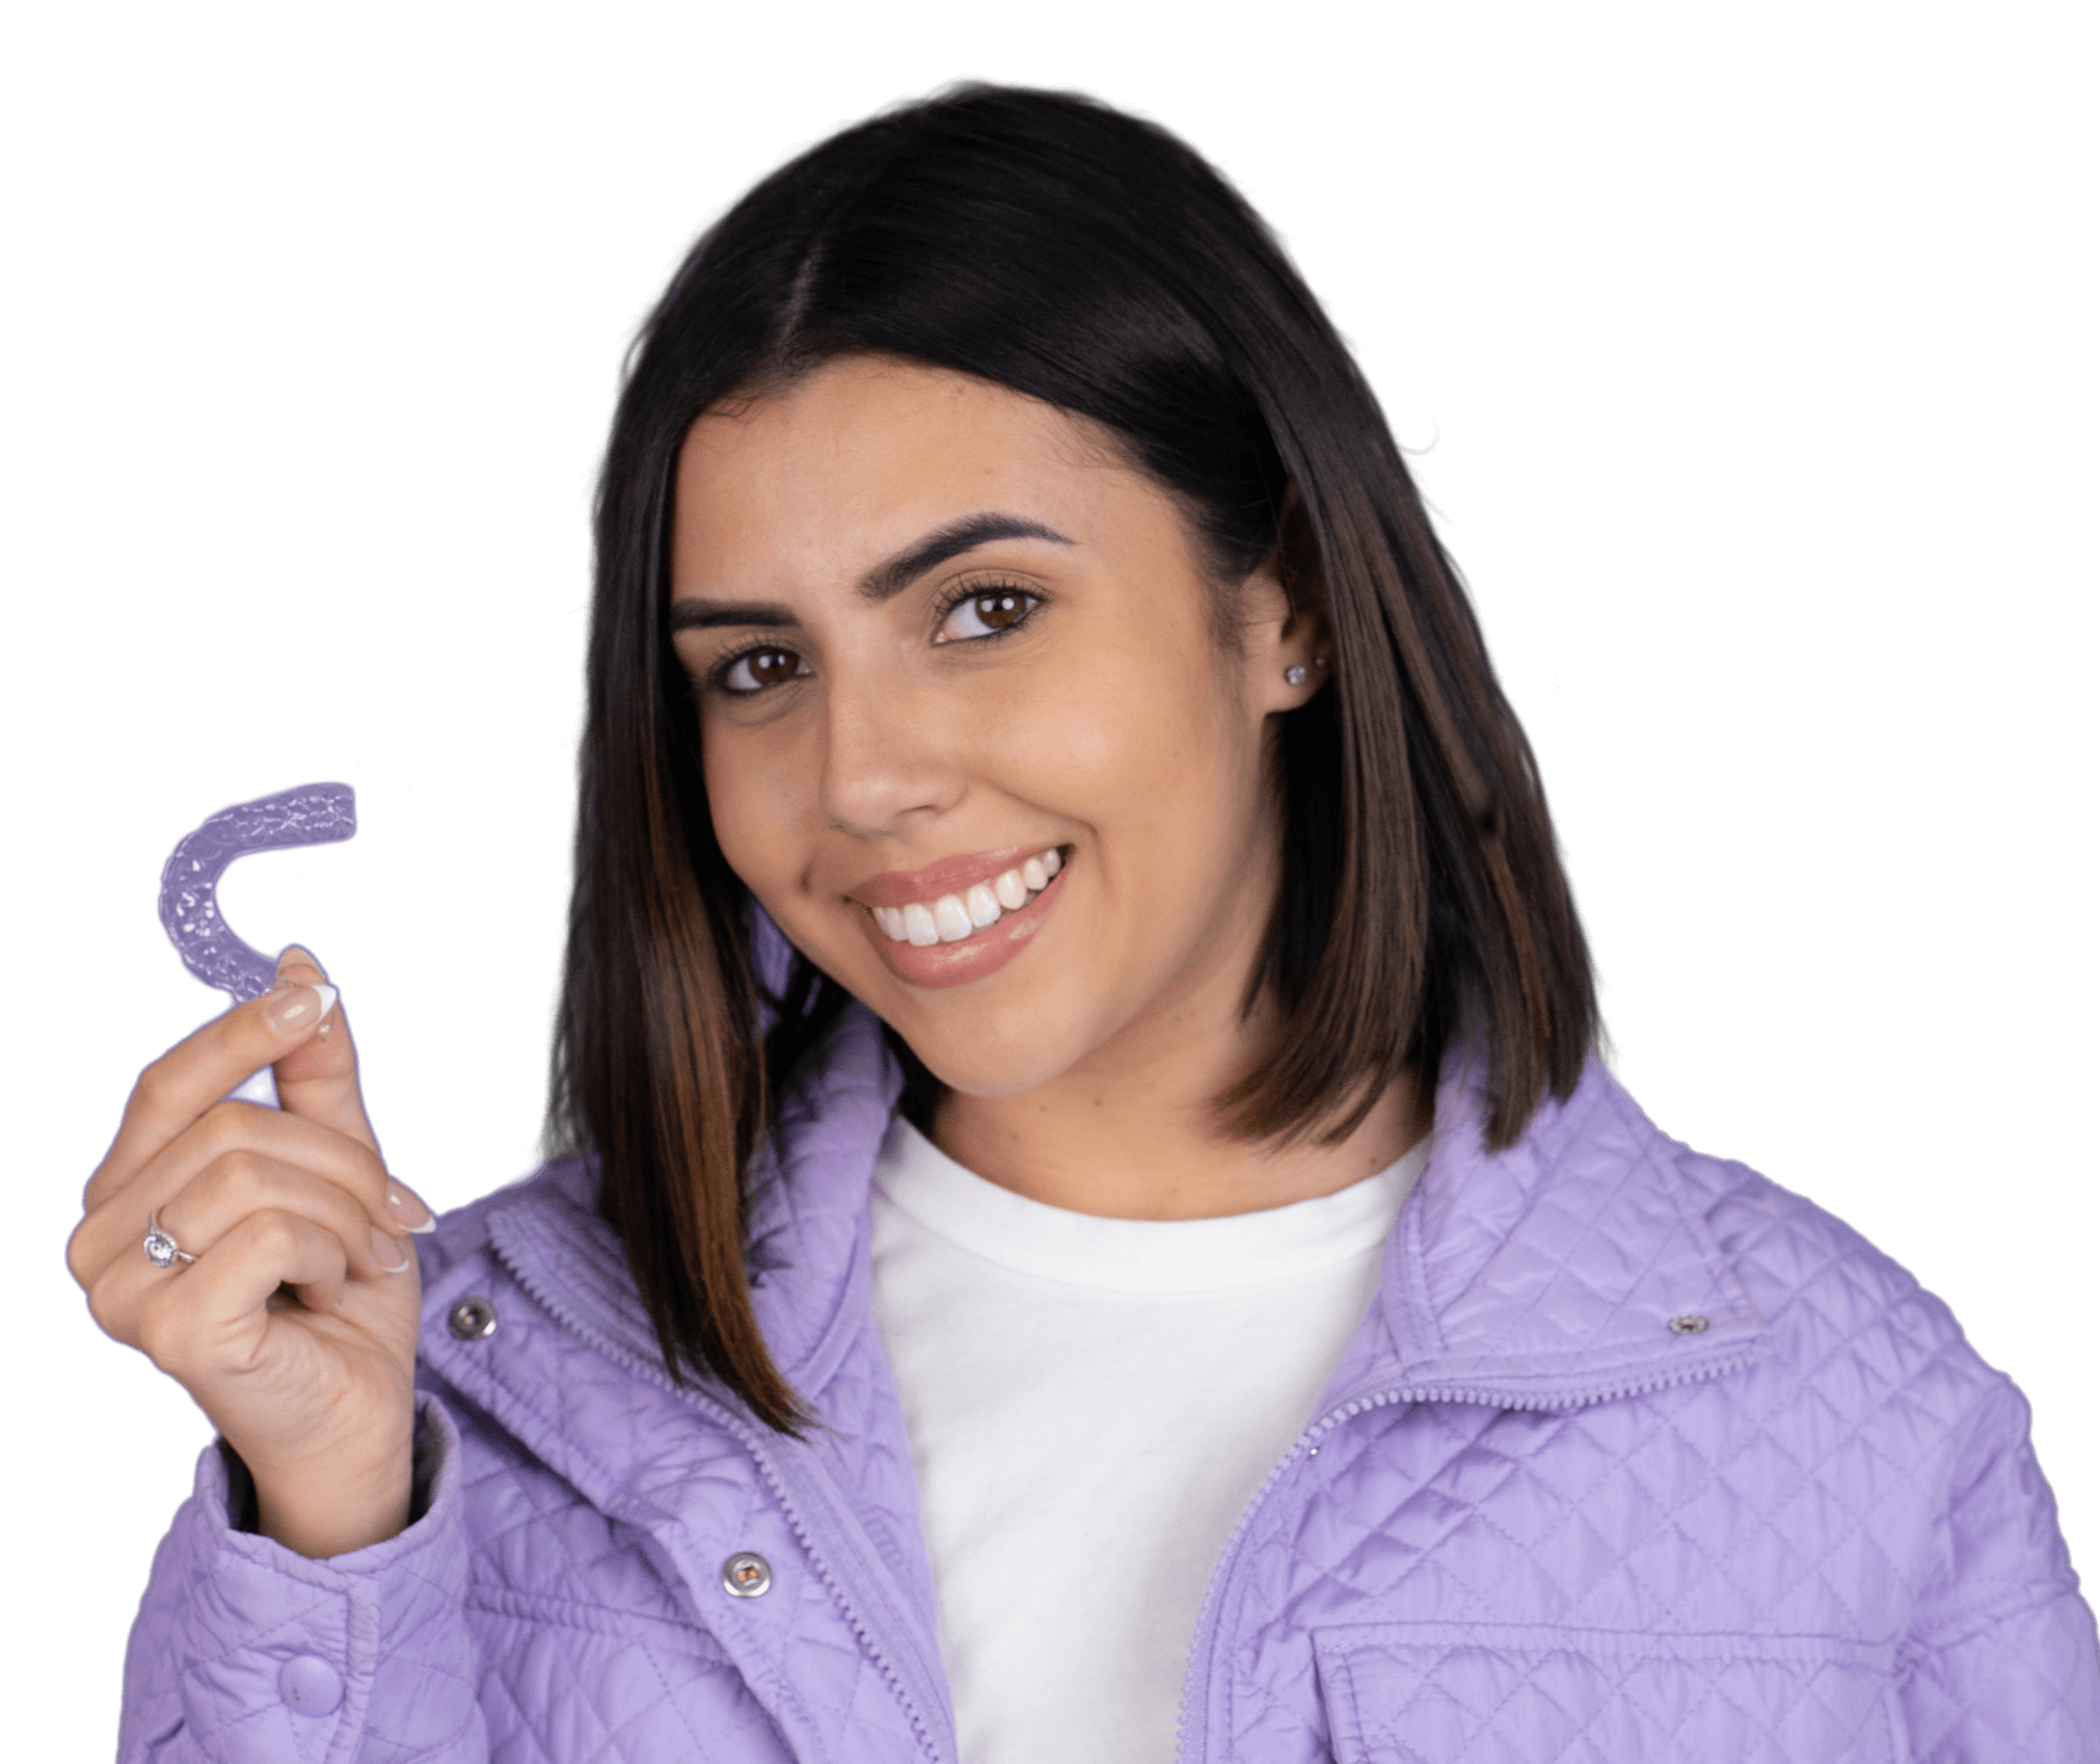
(1139, 1255)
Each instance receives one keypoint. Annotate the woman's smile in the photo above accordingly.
(963, 918)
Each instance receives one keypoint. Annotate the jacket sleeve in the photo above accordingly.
(243, 1652)
(2002, 1661)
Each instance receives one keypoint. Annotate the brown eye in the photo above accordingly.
(755, 670)
(985, 615)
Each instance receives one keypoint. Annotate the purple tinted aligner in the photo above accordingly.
(312, 815)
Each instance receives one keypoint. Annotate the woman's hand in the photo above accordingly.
(294, 1328)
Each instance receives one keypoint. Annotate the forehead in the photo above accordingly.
(877, 415)
(861, 456)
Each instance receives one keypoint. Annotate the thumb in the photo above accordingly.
(318, 1078)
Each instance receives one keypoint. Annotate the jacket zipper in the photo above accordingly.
(1191, 1735)
(775, 1478)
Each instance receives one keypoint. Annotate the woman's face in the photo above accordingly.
(941, 635)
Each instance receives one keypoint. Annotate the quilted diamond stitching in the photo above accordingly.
(1866, 1481)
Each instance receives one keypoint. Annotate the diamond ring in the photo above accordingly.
(161, 1249)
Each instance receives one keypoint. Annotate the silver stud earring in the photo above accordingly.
(1296, 675)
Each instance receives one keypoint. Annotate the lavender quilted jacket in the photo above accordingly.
(1637, 1457)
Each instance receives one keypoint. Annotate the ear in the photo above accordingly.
(1284, 642)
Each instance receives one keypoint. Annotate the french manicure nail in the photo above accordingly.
(404, 1205)
(385, 1248)
(290, 1012)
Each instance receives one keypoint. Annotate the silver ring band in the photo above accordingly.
(161, 1249)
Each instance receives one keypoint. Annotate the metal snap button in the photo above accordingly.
(472, 1319)
(745, 1575)
(1690, 1323)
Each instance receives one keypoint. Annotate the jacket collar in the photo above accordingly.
(1575, 1266)
(1545, 1276)
(809, 1222)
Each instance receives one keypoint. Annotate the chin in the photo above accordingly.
(989, 1064)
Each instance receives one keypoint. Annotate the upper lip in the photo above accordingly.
(942, 877)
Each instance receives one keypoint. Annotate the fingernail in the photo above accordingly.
(296, 957)
(385, 1248)
(303, 1006)
(404, 1205)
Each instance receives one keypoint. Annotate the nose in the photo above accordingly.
(887, 757)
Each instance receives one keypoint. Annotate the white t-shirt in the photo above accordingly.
(1091, 1404)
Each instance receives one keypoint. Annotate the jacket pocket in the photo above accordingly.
(1536, 1694)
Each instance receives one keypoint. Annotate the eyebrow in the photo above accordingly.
(884, 582)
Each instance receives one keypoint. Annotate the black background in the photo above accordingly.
(1725, 435)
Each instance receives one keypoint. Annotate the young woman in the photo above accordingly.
(1088, 1223)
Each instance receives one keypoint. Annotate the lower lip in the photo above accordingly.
(975, 955)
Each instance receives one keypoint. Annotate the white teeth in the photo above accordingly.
(954, 916)
(951, 919)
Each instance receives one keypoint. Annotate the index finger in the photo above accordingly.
(200, 1069)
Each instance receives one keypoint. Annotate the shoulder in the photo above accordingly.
(1844, 1317)
(1621, 1227)
(564, 1186)
(1864, 1389)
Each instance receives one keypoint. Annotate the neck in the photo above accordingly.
(1134, 1131)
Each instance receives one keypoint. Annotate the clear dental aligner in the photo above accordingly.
(954, 916)
(312, 815)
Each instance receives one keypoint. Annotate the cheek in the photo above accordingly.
(753, 799)
(1128, 732)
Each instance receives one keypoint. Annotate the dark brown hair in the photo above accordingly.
(1049, 244)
